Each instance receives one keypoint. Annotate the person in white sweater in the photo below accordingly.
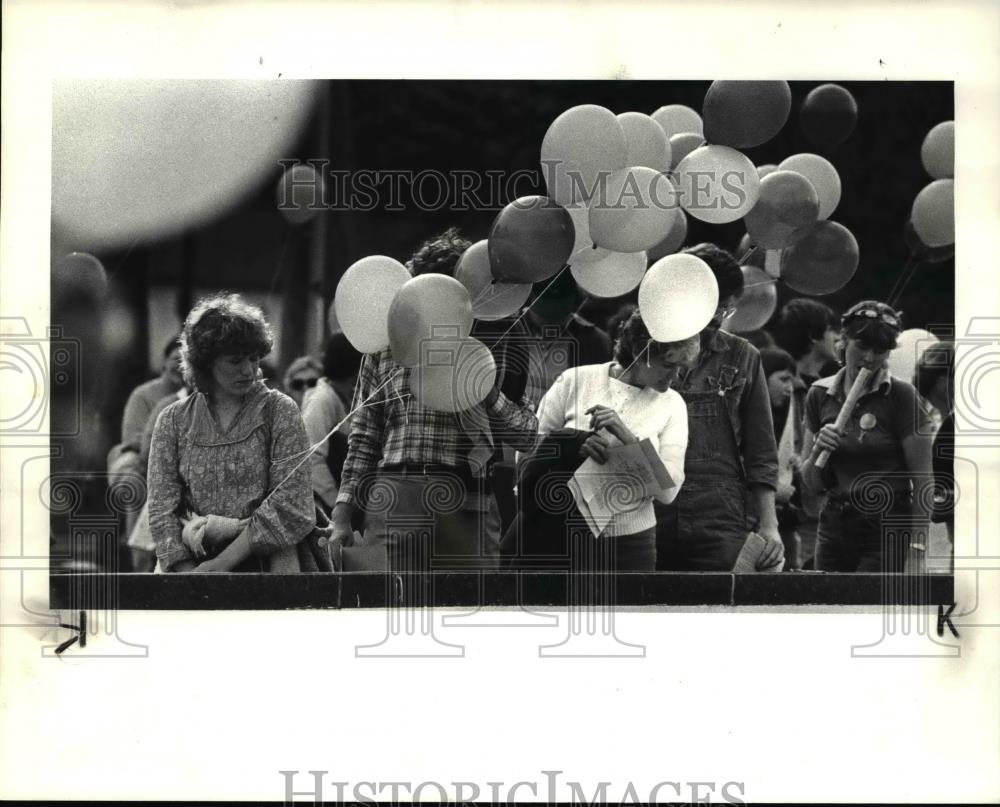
(625, 401)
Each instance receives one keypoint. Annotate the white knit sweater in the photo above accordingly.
(660, 416)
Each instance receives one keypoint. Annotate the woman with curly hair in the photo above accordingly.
(877, 477)
(228, 490)
(621, 402)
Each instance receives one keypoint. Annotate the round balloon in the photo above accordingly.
(743, 114)
(683, 144)
(933, 213)
(581, 227)
(79, 274)
(823, 176)
(786, 208)
(603, 273)
(678, 297)
(490, 300)
(431, 306)
(717, 184)
(822, 262)
(923, 252)
(672, 241)
(647, 143)
(910, 346)
(758, 303)
(938, 151)
(677, 118)
(828, 115)
(150, 159)
(453, 374)
(633, 212)
(363, 298)
(299, 194)
(764, 170)
(530, 240)
(580, 145)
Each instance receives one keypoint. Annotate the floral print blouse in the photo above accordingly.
(196, 467)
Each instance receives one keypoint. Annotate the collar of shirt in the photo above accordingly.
(835, 384)
(206, 432)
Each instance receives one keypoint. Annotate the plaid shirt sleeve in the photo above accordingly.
(364, 445)
(514, 424)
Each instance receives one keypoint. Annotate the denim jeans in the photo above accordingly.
(851, 541)
(620, 553)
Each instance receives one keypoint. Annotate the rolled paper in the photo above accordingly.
(857, 389)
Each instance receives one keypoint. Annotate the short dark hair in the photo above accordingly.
(221, 325)
(801, 321)
(774, 359)
(724, 266)
(873, 325)
(633, 337)
(439, 254)
(759, 338)
(936, 362)
(340, 358)
(172, 345)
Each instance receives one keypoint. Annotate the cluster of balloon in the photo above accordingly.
(828, 115)
(933, 213)
(491, 300)
(717, 184)
(426, 322)
(758, 303)
(580, 146)
(788, 206)
(823, 261)
(678, 297)
(821, 174)
(909, 348)
(299, 194)
(633, 210)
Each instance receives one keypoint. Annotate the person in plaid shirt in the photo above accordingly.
(420, 477)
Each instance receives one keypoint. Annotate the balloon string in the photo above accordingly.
(909, 270)
(312, 449)
(645, 350)
(537, 298)
(770, 282)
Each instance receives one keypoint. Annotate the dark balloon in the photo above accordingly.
(743, 114)
(828, 115)
(822, 262)
(530, 240)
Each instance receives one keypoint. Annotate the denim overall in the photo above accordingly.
(707, 524)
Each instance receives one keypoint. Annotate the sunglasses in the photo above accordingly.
(871, 314)
(299, 384)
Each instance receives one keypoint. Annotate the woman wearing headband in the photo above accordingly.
(222, 492)
(877, 473)
(622, 402)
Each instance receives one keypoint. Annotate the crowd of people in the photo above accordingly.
(242, 476)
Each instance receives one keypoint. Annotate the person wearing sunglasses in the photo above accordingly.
(731, 466)
(875, 517)
(302, 374)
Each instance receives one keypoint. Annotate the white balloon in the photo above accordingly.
(677, 118)
(910, 346)
(453, 374)
(634, 211)
(603, 273)
(363, 298)
(938, 151)
(490, 301)
(647, 143)
(678, 297)
(581, 145)
(683, 144)
(150, 158)
(823, 176)
(717, 184)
